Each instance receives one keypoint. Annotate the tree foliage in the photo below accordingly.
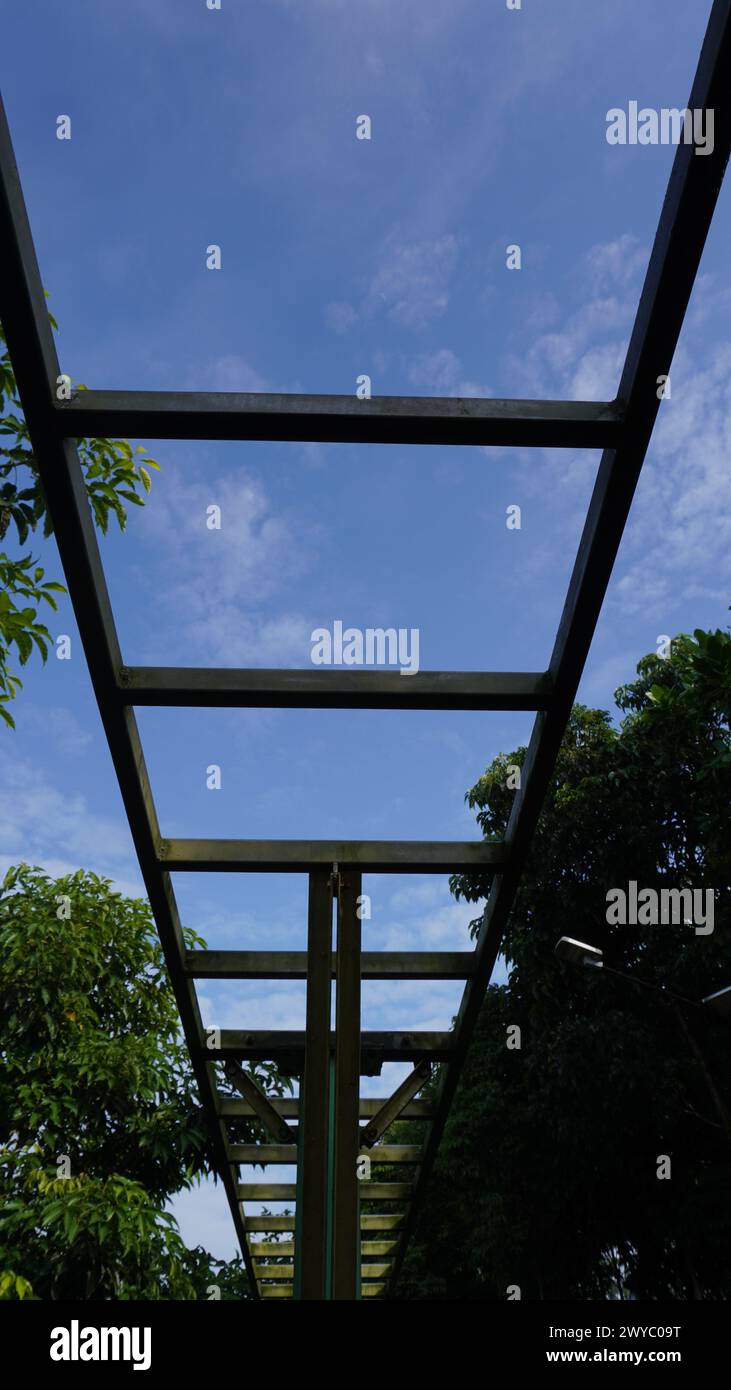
(114, 474)
(100, 1122)
(547, 1173)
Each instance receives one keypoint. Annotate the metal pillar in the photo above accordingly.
(346, 1201)
(312, 1255)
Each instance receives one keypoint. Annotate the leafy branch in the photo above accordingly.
(115, 474)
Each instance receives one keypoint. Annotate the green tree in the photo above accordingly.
(100, 1122)
(547, 1174)
(114, 475)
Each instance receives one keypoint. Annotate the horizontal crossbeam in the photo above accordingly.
(287, 1153)
(385, 1191)
(302, 856)
(287, 1192)
(292, 965)
(337, 419)
(266, 1192)
(224, 688)
(267, 1223)
(268, 1045)
(381, 1221)
(285, 1272)
(288, 1108)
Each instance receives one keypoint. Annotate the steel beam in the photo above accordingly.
(300, 856)
(382, 1221)
(286, 1154)
(266, 1222)
(385, 1191)
(292, 965)
(338, 419)
(266, 1192)
(313, 1254)
(260, 1105)
(346, 1208)
(395, 1105)
(228, 688)
(268, 1046)
(288, 1108)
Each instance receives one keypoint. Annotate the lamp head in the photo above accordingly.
(578, 952)
(720, 1002)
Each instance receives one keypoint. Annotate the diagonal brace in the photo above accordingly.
(260, 1103)
(391, 1109)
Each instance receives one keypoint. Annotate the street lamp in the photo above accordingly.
(582, 954)
(578, 952)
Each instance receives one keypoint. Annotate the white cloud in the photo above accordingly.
(614, 264)
(227, 373)
(57, 726)
(278, 1004)
(341, 317)
(412, 281)
(678, 537)
(56, 829)
(225, 575)
(444, 928)
(441, 372)
(679, 534)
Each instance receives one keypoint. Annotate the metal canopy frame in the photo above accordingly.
(330, 1239)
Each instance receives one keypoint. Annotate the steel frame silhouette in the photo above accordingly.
(333, 1249)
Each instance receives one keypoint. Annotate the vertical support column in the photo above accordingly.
(312, 1255)
(346, 1199)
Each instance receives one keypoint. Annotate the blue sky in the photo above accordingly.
(341, 257)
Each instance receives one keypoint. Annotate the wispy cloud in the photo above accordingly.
(53, 826)
(58, 728)
(217, 581)
(679, 533)
(442, 373)
(410, 283)
(680, 528)
(412, 280)
(227, 373)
